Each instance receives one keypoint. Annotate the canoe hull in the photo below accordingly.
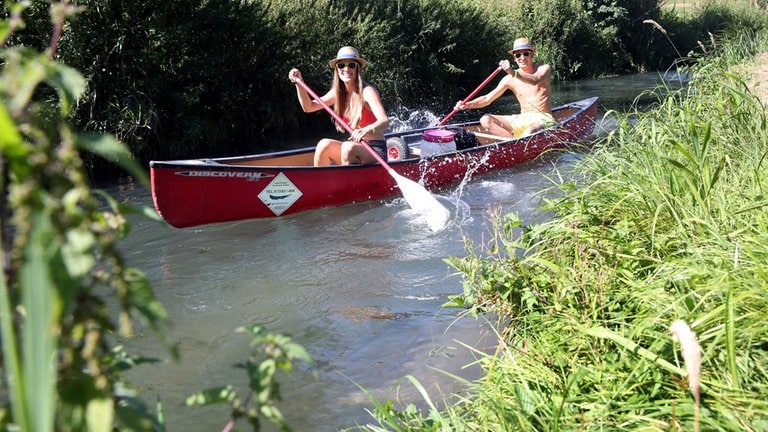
(204, 191)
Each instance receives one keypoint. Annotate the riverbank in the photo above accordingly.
(667, 224)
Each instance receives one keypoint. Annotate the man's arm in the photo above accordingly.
(486, 99)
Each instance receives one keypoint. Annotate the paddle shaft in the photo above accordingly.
(344, 124)
(471, 95)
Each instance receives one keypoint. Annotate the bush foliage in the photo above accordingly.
(67, 296)
(192, 78)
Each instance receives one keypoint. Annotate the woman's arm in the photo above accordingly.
(308, 104)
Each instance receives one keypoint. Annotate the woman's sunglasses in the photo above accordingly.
(521, 54)
(351, 65)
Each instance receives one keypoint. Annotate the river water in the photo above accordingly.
(360, 287)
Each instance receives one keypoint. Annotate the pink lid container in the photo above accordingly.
(438, 136)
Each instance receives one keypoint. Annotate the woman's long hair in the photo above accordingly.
(354, 111)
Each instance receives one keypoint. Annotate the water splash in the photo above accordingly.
(410, 120)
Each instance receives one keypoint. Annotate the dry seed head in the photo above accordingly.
(655, 24)
(691, 353)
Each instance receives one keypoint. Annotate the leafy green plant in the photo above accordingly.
(60, 244)
(65, 290)
(271, 354)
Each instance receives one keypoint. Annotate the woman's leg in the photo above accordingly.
(355, 153)
(328, 151)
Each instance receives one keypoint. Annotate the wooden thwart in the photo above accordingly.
(493, 137)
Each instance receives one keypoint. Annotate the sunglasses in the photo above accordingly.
(351, 65)
(522, 54)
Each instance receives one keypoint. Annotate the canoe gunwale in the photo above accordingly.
(241, 162)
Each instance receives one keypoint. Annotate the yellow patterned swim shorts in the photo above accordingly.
(521, 123)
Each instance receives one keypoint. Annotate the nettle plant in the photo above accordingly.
(59, 252)
(66, 293)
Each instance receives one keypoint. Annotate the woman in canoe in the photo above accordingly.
(355, 101)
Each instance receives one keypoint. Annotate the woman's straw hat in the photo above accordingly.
(348, 53)
(521, 44)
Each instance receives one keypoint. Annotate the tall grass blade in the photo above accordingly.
(730, 338)
(422, 391)
(11, 355)
(39, 347)
(604, 333)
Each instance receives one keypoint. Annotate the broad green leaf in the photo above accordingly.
(273, 414)
(5, 30)
(71, 200)
(127, 209)
(24, 71)
(77, 253)
(17, 7)
(100, 414)
(69, 84)
(298, 352)
(212, 396)
(142, 297)
(11, 143)
(108, 147)
(133, 413)
(12, 146)
(121, 360)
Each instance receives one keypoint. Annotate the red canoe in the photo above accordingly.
(204, 191)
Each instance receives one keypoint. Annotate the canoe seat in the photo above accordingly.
(487, 138)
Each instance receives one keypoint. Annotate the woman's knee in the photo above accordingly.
(346, 146)
(323, 144)
(349, 153)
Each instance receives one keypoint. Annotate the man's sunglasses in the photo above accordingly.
(522, 54)
(351, 65)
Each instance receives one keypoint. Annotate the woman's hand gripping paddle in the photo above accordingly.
(417, 197)
(471, 95)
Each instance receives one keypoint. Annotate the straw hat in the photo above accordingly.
(521, 44)
(348, 53)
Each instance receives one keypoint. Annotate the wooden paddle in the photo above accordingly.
(415, 195)
(471, 95)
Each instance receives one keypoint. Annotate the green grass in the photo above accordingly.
(668, 221)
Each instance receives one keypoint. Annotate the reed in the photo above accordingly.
(665, 220)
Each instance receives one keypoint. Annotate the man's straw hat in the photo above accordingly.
(521, 44)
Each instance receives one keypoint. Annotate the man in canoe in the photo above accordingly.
(530, 83)
(357, 102)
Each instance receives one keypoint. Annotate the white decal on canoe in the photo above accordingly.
(280, 194)
(250, 176)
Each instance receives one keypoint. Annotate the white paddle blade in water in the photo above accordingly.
(422, 201)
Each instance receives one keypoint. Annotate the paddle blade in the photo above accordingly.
(422, 201)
